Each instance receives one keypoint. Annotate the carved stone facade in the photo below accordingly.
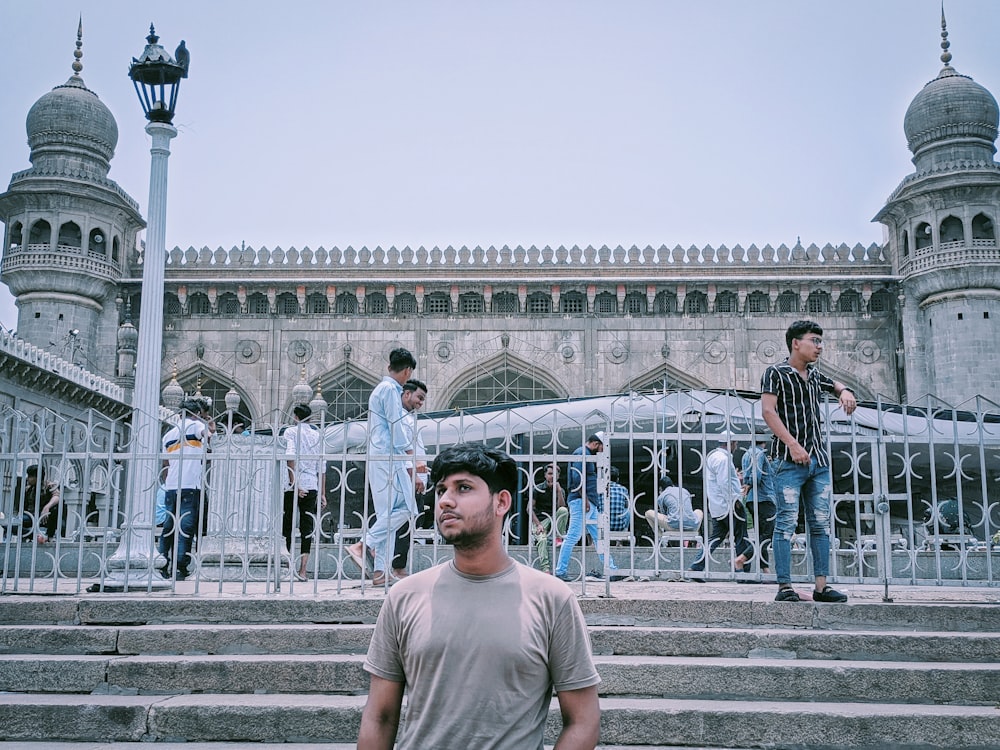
(495, 325)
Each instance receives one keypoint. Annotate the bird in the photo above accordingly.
(183, 57)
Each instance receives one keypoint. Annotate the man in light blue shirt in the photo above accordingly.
(390, 470)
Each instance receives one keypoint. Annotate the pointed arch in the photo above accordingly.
(346, 389)
(504, 378)
(216, 384)
(664, 376)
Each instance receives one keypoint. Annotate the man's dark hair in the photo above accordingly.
(665, 481)
(400, 359)
(31, 471)
(615, 473)
(302, 412)
(415, 385)
(194, 405)
(494, 467)
(800, 328)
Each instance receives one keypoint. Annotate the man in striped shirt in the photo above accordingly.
(800, 465)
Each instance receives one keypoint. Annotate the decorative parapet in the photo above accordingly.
(944, 170)
(51, 364)
(75, 174)
(531, 258)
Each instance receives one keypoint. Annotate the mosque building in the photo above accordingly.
(913, 316)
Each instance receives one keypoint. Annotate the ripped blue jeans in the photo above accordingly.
(811, 483)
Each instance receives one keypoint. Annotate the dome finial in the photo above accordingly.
(945, 44)
(78, 52)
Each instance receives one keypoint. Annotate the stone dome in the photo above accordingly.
(951, 106)
(72, 116)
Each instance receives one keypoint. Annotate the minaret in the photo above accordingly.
(69, 229)
(941, 226)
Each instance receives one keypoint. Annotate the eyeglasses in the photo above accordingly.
(816, 341)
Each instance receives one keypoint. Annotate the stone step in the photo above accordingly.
(657, 676)
(624, 721)
(290, 638)
(166, 608)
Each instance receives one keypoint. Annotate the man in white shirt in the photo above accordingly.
(724, 496)
(304, 491)
(186, 445)
(389, 469)
(414, 395)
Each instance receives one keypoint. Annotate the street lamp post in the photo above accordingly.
(157, 78)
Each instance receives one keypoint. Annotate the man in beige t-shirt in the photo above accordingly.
(478, 643)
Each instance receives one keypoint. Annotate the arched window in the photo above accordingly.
(317, 304)
(257, 304)
(505, 303)
(198, 304)
(606, 303)
(70, 235)
(216, 391)
(347, 396)
(727, 302)
(539, 303)
(501, 385)
(116, 250)
(15, 236)
(696, 303)
(171, 305)
(818, 302)
(572, 303)
(904, 244)
(287, 304)
(881, 302)
(406, 304)
(97, 244)
(924, 235)
(665, 303)
(635, 303)
(788, 302)
(347, 304)
(437, 303)
(376, 304)
(849, 301)
(758, 303)
(471, 303)
(40, 234)
(982, 228)
(229, 304)
(952, 230)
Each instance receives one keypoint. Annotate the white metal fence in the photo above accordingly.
(916, 492)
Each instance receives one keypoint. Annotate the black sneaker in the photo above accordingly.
(564, 578)
(595, 575)
(787, 595)
(829, 595)
(620, 577)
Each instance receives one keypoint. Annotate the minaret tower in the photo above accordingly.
(69, 229)
(941, 226)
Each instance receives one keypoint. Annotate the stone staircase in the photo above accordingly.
(237, 671)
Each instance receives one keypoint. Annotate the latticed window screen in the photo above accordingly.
(347, 396)
(437, 304)
(257, 304)
(229, 304)
(635, 303)
(758, 302)
(606, 304)
(818, 302)
(696, 303)
(505, 303)
(406, 304)
(471, 303)
(347, 304)
(573, 303)
(788, 302)
(849, 301)
(376, 304)
(539, 302)
(287, 304)
(502, 384)
(665, 303)
(881, 302)
(317, 304)
(726, 302)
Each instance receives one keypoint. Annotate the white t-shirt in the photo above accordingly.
(480, 655)
(303, 446)
(185, 446)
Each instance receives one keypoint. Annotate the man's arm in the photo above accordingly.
(847, 400)
(581, 718)
(380, 718)
(769, 409)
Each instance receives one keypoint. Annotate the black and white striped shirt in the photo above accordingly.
(797, 407)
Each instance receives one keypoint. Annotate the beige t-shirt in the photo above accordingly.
(480, 656)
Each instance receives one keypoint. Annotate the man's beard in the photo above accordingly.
(478, 529)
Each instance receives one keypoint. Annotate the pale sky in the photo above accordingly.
(480, 122)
